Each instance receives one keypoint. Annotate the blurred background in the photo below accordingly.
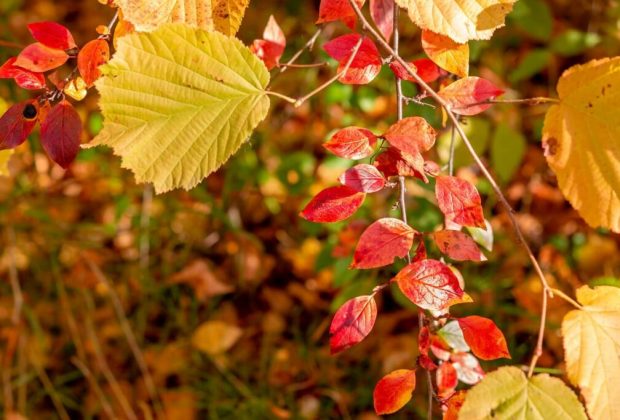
(222, 294)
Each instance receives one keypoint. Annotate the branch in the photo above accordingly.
(431, 92)
(308, 46)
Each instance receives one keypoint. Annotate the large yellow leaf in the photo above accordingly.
(221, 15)
(581, 138)
(178, 102)
(461, 20)
(508, 394)
(592, 346)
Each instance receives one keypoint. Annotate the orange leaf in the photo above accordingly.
(459, 201)
(39, 58)
(484, 338)
(381, 242)
(393, 391)
(446, 53)
(351, 143)
(90, 57)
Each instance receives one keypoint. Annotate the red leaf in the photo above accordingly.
(352, 323)
(381, 242)
(60, 133)
(17, 123)
(271, 47)
(424, 344)
(367, 62)
(352, 143)
(429, 284)
(91, 56)
(330, 10)
(447, 380)
(394, 162)
(39, 58)
(484, 338)
(420, 252)
(458, 245)
(425, 68)
(363, 178)
(393, 391)
(463, 94)
(24, 78)
(459, 201)
(53, 35)
(412, 135)
(333, 205)
(382, 13)
(454, 405)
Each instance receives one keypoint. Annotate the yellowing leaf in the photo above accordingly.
(221, 15)
(178, 102)
(508, 394)
(215, 337)
(446, 53)
(580, 138)
(592, 346)
(460, 20)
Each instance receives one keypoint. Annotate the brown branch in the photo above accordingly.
(93, 382)
(295, 56)
(431, 92)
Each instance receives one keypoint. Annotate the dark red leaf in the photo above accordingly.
(367, 62)
(333, 205)
(352, 323)
(425, 68)
(467, 96)
(458, 245)
(411, 135)
(363, 178)
(430, 284)
(24, 78)
(91, 56)
(17, 123)
(393, 391)
(53, 35)
(271, 47)
(447, 380)
(459, 201)
(381, 242)
(39, 58)
(60, 133)
(484, 338)
(382, 13)
(331, 10)
(352, 143)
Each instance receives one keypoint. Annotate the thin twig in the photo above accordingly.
(129, 335)
(541, 335)
(546, 289)
(307, 46)
(452, 148)
(93, 382)
(49, 388)
(567, 298)
(9, 44)
(307, 66)
(145, 220)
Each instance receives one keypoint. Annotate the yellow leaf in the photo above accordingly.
(221, 15)
(592, 346)
(446, 53)
(215, 337)
(461, 20)
(580, 138)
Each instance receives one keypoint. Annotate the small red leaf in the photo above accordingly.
(430, 284)
(447, 380)
(393, 391)
(467, 96)
(352, 143)
(367, 62)
(333, 205)
(394, 162)
(382, 13)
(39, 58)
(381, 242)
(420, 252)
(271, 47)
(352, 323)
(24, 78)
(52, 34)
(459, 201)
(363, 178)
(458, 245)
(412, 135)
(17, 123)
(484, 338)
(60, 133)
(330, 10)
(425, 68)
(91, 56)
